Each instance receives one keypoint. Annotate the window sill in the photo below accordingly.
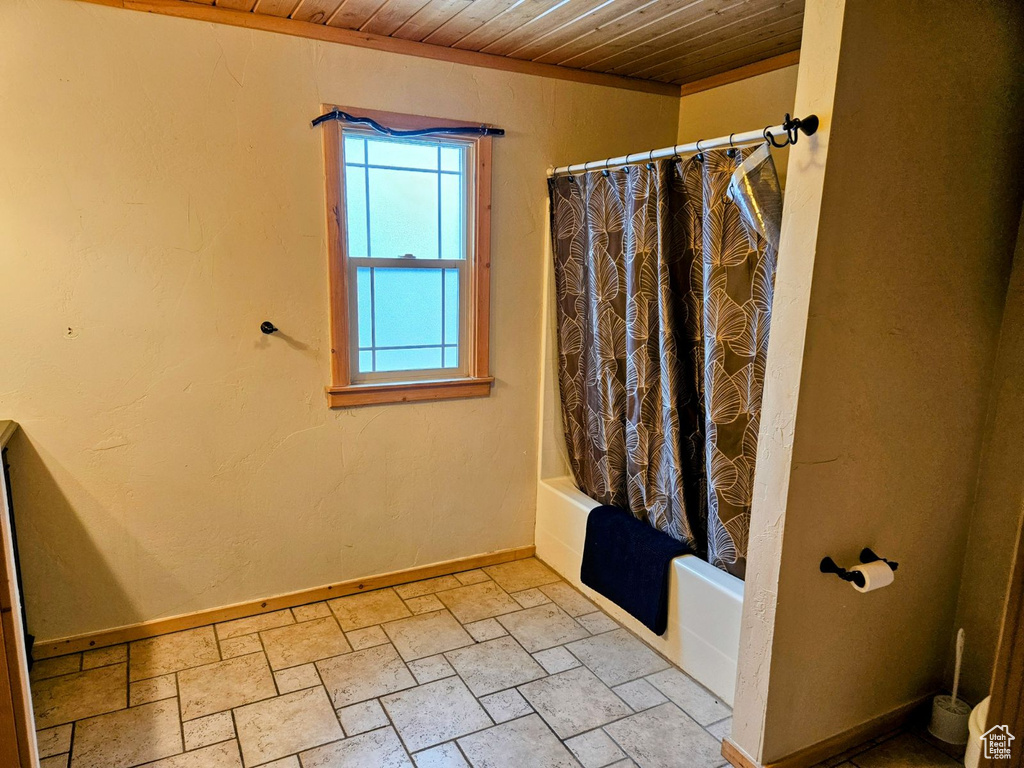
(408, 391)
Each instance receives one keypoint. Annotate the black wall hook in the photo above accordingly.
(268, 327)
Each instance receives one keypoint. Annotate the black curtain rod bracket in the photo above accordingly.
(464, 130)
(793, 127)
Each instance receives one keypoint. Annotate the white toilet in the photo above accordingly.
(975, 728)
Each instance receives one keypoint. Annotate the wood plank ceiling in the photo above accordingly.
(666, 41)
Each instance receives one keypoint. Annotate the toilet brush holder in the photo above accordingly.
(949, 720)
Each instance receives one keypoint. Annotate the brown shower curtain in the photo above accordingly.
(627, 375)
(664, 292)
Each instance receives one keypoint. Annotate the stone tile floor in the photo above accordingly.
(502, 667)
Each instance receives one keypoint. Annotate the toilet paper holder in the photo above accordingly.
(828, 565)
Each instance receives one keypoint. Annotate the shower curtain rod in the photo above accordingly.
(790, 127)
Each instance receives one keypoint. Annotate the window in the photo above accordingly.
(408, 229)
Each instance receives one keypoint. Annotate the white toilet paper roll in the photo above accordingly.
(876, 576)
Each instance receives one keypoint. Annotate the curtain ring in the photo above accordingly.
(650, 160)
(770, 138)
(604, 171)
(731, 151)
(699, 157)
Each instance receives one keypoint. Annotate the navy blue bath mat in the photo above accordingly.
(628, 561)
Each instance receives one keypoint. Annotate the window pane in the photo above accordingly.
(451, 357)
(355, 149)
(408, 359)
(407, 308)
(403, 214)
(403, 154)
(451, 306)
(451, 158)
(355, 208)
(451, 217)
(365, 307)
(405, 197)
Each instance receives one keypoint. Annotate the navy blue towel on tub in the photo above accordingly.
(628, 561)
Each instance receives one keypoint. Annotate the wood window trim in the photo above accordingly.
(342, 392)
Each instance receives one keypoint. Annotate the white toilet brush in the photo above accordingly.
(949, 715)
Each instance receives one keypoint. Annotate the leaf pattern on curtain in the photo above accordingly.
(664, 293)
(627, 377)
(737, 273)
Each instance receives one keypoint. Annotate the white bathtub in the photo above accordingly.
(705, 603)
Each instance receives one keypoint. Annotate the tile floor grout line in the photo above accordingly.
(71, 742)
(298, 755)
(337, 621)
(212, 624)
(238, 738)
(181, 723)
(393, 726)
(443, 655)
(190, 751)
(854, 757)
(581, 662)
(266, 658)
(612, 688)
(75, 672)
(495, 725)
(625, 751)
(237, 706)
(533, 712)
(461, 751)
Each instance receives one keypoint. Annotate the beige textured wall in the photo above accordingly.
(161, 194)
(553, 460)
(910, 270)
(756, 102)
(999, 499)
